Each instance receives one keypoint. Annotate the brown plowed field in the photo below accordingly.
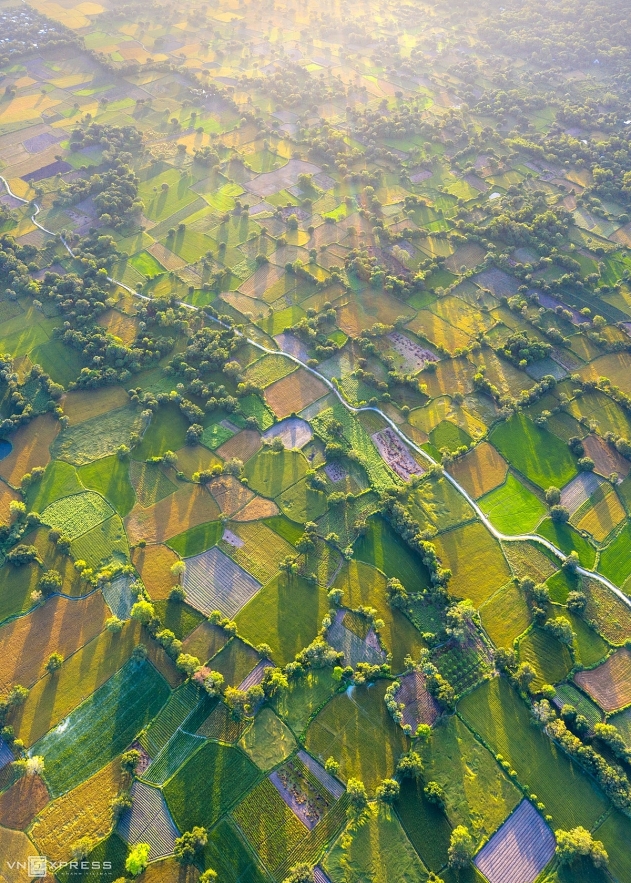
(59, 625)
(22, 802)
(188, 507)
(609, 684)
(153, 563)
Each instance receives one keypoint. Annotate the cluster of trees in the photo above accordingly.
(290, 86)
(24, 31)
(611, 778)
(114, 190)
(81, 300)
(24, 399)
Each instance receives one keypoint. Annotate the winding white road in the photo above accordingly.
(508, 538)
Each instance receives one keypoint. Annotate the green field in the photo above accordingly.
(384, 549)
(102, 726)
(614, 561)
(356, 729)
(377, 851)
(478, 793)
(166, 432)
(568, 540)
(197, 539)
(268, 742)
(110, 477)
(227, 854)
(513, 508)
(304, 606)
(426, 824)
(60, 480)
(208, 784)
(505, 616)
(499, 716)
(272, 472)
(538, 454)
(549, 658)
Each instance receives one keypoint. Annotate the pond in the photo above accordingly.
(5, 448)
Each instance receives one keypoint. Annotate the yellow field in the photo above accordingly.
(359, 314)
(31, 445)
(190, 505)
(461, 315)
(443, 408)
(119, 325)
(476, 562)
(603, 517)
(243, 445)
(154, 563)
(480, 471)
(26, 107)
(19, 848)
(83, 812)
(80, 405)
(438, 331)
(195, 458)
(294, 392)
(508, 379)
(615, 366)
(449, 375)
(257, 508)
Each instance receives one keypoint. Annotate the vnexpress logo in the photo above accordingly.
(37, 866)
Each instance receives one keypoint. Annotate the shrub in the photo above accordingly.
(138, 859)
(461, 848)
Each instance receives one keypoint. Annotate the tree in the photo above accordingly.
(17, 509)
(332, 766)
(561, 628)
(388, 791)
(559, 514)
(21, 554)
(410, 765)
(178, 568)
(54, 663)
(209, 876)
(576, 602)
(461, 848)
(396, 593)
(274, 681)
(553, 496)
(129, 760)
(301, 873)
(143, 611)
(187, 663)
(356, 791)
(211, 681)
(577, 843)
(138, 859)
(34, 765)
(435, 793)
(525, 675)
(50, 582)
(189, 845)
